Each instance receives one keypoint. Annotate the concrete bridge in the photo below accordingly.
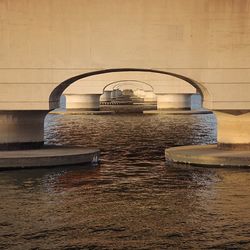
(50, 45)
(171, 92)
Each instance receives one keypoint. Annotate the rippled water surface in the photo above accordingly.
(133, 200)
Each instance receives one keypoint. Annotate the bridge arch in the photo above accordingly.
(54, 98)
(118, 83)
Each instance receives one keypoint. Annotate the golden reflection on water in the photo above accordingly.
(133, 200)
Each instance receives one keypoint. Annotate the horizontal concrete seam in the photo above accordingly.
(26, 101)
(227, 101)
(28, 83)
(51, 69)
(215, 83)
(118, 67)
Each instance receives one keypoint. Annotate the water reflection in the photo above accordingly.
(133, 200)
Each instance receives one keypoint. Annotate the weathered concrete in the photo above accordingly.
(48, 156)
(208, 155)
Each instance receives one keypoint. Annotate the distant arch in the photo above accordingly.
(54, 98)
(117, 83)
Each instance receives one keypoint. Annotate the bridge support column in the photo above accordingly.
(233, 130)
(116, 93)
(232, 149)
(21, 129)
(149, 97)
(174, 101)
(86, 102)
(106, 96)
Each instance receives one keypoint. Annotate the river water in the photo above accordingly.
(133, 199)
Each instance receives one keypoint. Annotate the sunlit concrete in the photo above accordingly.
(233, 130)
(206, 41)
(208, 155)
(140, 93)
(149, 97)
(173, 101)
(83, 102)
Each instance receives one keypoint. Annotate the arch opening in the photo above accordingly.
(54, 98)
(130, 82)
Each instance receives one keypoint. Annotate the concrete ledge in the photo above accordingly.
(208, 155)
(177, 112)
(80, 112)
(48, 156)
(135, 108)
(21, 145)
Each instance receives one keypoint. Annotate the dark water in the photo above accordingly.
(133, 200)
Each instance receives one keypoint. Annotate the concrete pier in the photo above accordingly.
(173, 101)
(149, 97)
(48, 156)
(232, 148)
(22, 129)
(208, 155)
(115, 93)
(233, 129)
(106, 96)
(83, 102)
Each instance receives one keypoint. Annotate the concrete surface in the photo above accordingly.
(204, 41)
(80, 112)
(174, 101)
(89, 102)
(177, 112)
(208, 155)
(48, 156)
(135, 108)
